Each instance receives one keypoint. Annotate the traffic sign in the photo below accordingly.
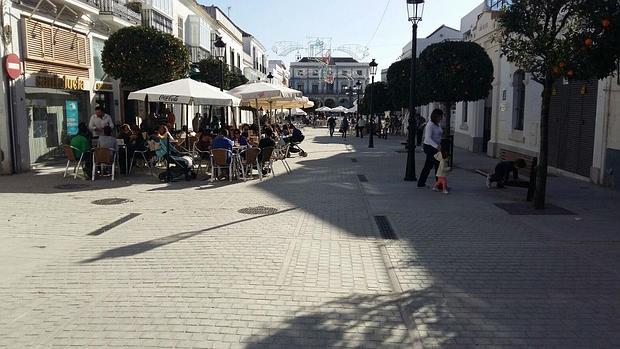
(12, 66)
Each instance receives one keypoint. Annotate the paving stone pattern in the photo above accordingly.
(192, 271)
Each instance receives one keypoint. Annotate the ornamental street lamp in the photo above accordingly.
(270, 77)
(415, 9)
(373, 70)
(220, 53)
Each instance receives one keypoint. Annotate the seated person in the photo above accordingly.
(107, 141)
(82, 145)
(296, 135)
(163, 132)
(223, 142)
(503, 170)
(204, 144)
(239, 138)
(267, 141)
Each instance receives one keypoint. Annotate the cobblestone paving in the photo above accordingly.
(192, 271)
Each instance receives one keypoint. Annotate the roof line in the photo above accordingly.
(440, 28)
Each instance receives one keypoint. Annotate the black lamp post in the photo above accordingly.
(415, 9)
(373, 70)
(220, 53)
(270, 77)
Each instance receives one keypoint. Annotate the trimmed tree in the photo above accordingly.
(575, 39)
(209, 70)
(398, 79)
(455, 71)
(142, 57)
(381, 100)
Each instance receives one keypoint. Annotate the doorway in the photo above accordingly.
(488, 116)
(572, 120)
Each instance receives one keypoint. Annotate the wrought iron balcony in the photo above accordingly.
(118, 8)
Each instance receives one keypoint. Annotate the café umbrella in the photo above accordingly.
(187, 92)
(262, 92)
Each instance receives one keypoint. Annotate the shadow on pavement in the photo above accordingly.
(145, 246)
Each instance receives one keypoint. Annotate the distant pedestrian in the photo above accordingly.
(441, 183)
(331, 123)
(432, 141)
(503, 171)
(344, 127)
(361, 124)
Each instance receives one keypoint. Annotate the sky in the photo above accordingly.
(381, 25)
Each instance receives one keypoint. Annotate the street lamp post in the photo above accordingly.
(373, 70)
(220, 53)
(415, 9)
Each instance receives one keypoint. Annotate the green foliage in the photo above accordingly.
(398, 79)
(455, 71)
(142, 57)
(381, 99)
(209, 70)
(570, 38)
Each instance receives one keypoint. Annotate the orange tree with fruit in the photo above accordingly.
(551, 39)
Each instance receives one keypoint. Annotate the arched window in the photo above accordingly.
(518, 100)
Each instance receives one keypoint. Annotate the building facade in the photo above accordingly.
(60, 42)
(280, 72)
(584, 114)
(330, 84)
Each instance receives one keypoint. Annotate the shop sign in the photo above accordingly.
(60, 82)
(73, 118)
(103, 86)
(12, 66)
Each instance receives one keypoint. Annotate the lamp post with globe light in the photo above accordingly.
(220, 54)
(373, 70)
(415, 9)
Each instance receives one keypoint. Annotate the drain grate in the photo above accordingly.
(114, 224)
(353, 160)
(385, 228)
(72, 186)
(111, 201)
(259, 210)
(362, 178)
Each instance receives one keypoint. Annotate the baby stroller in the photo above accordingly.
(178, 165)
(294, 147)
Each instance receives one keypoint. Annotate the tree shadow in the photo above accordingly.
(145, 246)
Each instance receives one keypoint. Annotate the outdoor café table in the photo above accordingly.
(123, 147)
(237, 162)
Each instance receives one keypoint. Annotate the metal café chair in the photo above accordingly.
(104, 158)
(71, 157)
(200, 156)
(221, 159)
(140, 154)
(249, 158)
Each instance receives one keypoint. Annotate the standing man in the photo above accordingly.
(331, 123)
(361, 124)
(99, 121)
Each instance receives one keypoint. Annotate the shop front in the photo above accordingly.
(57, 63)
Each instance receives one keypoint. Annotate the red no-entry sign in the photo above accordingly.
(12, 66)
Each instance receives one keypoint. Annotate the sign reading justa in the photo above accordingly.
(60, 82)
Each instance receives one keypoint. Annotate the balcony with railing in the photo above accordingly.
(117, 12)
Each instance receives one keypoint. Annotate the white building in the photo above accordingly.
(584, 141)
(280, 72)
(443, 33)
(255, 58)
(329, 84)
(59, 43)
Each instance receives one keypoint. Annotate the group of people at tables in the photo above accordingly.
(100, 132)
